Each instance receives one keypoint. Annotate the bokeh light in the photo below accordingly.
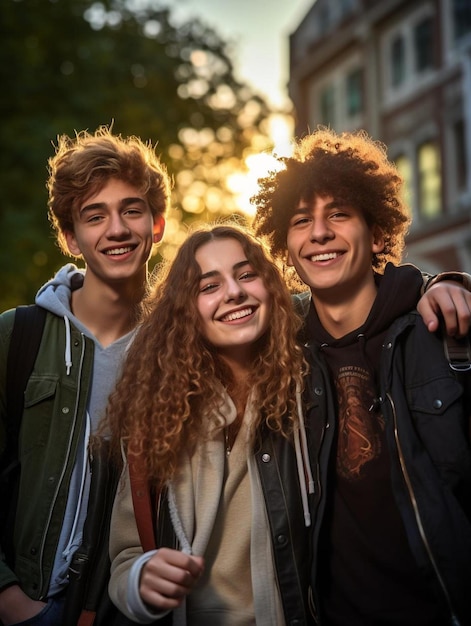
(244, 184)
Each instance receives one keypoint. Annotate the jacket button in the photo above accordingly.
(76, 342)
(65, 409)
(281, 540)
(318, 391)
(437, 404)
(388, 346)
(266, 458)
(34, 551)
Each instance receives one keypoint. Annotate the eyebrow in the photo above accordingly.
(330, 205)
(216, 273)
(94, 206)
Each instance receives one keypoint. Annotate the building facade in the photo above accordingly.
(402, 71)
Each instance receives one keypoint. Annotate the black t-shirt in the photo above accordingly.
(367, 574)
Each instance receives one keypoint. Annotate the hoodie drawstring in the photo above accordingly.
(176, 521)
(302, 460)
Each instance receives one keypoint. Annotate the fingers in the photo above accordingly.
(16, 606)
(448, 301)
(168, 577)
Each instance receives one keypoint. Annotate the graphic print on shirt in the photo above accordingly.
(359, 439)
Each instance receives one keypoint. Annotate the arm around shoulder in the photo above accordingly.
(448, 297)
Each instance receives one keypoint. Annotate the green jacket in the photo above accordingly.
(53, 418)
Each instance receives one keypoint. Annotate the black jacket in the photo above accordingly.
(427, 432)
(276, 463)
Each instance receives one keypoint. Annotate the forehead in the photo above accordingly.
(315, 199)
(220, 255)
(326, 203)
(113, 190)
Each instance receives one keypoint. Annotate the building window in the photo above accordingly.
(355, 92)
(461, 18)
(460, 155)
(430, 188)
(328, 106)
(398, 61)
(404, 165)
(423, 45)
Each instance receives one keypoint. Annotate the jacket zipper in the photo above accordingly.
(59, 482)
(418, 519)
(311, 599)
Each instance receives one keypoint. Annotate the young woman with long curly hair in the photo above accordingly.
(209, 405)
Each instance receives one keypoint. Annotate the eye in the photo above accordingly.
(208, 287)
(93, 219)
(249, 275)
(299, 221)
(133, 211)
(340, 214)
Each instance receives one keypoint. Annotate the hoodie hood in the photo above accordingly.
(360, 350)
(399, 290)
(54, 296)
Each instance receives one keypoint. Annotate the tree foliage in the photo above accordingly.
(69, 65)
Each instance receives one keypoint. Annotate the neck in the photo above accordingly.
(108, 311)
(239, 362)
(340, 315)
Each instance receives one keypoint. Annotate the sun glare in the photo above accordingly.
(245, 184)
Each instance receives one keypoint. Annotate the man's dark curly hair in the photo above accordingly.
(350, 167)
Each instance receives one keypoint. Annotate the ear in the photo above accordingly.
(72, 244)
(159, 227)
(377, 240)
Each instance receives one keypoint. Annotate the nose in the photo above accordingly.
(117, 227)
(234, 291)
(320, 230)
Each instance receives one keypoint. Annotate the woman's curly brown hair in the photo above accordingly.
(350, 167)
(172, 377)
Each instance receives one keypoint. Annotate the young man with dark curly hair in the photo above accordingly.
(388, 422)
(107, 199)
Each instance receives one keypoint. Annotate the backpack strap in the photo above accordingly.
(143, 510)
(458, 353)
(24, 346)
(26, 336)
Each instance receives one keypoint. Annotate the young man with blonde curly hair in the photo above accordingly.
(387, 419)
(107, 199)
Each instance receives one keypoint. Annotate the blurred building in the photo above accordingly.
(400, 69)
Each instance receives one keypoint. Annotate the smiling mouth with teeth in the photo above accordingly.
(117, 251)
(327, 256)
(237, 315)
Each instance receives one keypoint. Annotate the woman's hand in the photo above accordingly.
(168, 577)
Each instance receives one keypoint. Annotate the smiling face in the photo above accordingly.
(331, 247)
(114, 231)
(233, 302)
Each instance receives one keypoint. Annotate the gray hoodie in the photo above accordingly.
(55, 297)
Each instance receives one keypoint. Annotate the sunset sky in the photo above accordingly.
(259, 29)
